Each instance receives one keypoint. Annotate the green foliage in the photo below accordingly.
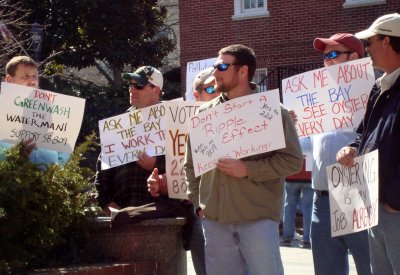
(124, 32)
(52, 68)
(14, 16)
(42, 211)
(101, 101)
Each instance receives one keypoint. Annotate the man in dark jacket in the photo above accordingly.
(380, 129)
(126, 185)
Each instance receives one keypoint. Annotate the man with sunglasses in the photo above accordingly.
(126, 185)
(330, 255)
(380, 129)
(204, 86)
(204, 90)
(240, 200)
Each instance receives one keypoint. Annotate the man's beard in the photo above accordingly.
(221, 88)
(224, 88)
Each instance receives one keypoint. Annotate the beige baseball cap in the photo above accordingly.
(388, 24)
(204, 77)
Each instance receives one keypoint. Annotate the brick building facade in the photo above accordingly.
(280, 31)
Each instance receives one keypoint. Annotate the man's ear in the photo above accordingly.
(9, 78)
(157, 91)
(244, 70)
(386, 42)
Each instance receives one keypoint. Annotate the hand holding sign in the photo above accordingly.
(232, 167)
(153, 183)
(28, 146)
(146, 162)
(346, 156)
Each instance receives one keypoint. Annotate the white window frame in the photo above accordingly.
(359, 3)
(240, 13)
(259, 75)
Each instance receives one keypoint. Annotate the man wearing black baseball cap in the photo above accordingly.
(126, 185)
(145, 87)
(380, 130)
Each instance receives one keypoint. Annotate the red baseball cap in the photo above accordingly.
(346, 39)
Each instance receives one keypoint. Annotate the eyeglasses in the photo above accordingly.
(334, 54)
(223, 66)
(209, 90)
(138, 86)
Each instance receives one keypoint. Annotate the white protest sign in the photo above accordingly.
(329, 98)
(353, 195)
(124, 136)
(53, 120)
(192, 69)
(177, 114)
(238, 128)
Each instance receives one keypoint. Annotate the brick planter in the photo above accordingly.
(158, 240)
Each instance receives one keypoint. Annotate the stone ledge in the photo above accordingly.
(139, 268)
(105, 222)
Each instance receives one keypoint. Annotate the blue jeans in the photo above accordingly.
(293, 191)
(197, 247)
(384, 241)
(330, 255)
(231, 247)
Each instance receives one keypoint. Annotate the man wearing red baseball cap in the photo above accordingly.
(339, 48)
(330, 255)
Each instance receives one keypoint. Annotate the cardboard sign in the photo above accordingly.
(238, 128)
(192, 69)
(124, 136)
(53, 120)
(353, 195)
(329, 98)
(177, 114)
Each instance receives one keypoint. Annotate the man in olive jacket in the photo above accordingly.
(240, 201)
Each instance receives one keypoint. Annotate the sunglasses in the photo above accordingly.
(223, 66)
(334, 54)
(370, 41)
(138, 86)
(209, 90)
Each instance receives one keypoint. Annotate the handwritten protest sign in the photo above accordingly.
(192, 69)
(125, 136)
(353, 195)
(52, 120)
(238, 128)
(176, 117)
(329, 98)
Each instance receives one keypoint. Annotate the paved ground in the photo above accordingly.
(296, 261)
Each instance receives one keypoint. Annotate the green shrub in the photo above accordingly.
(43, 221)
